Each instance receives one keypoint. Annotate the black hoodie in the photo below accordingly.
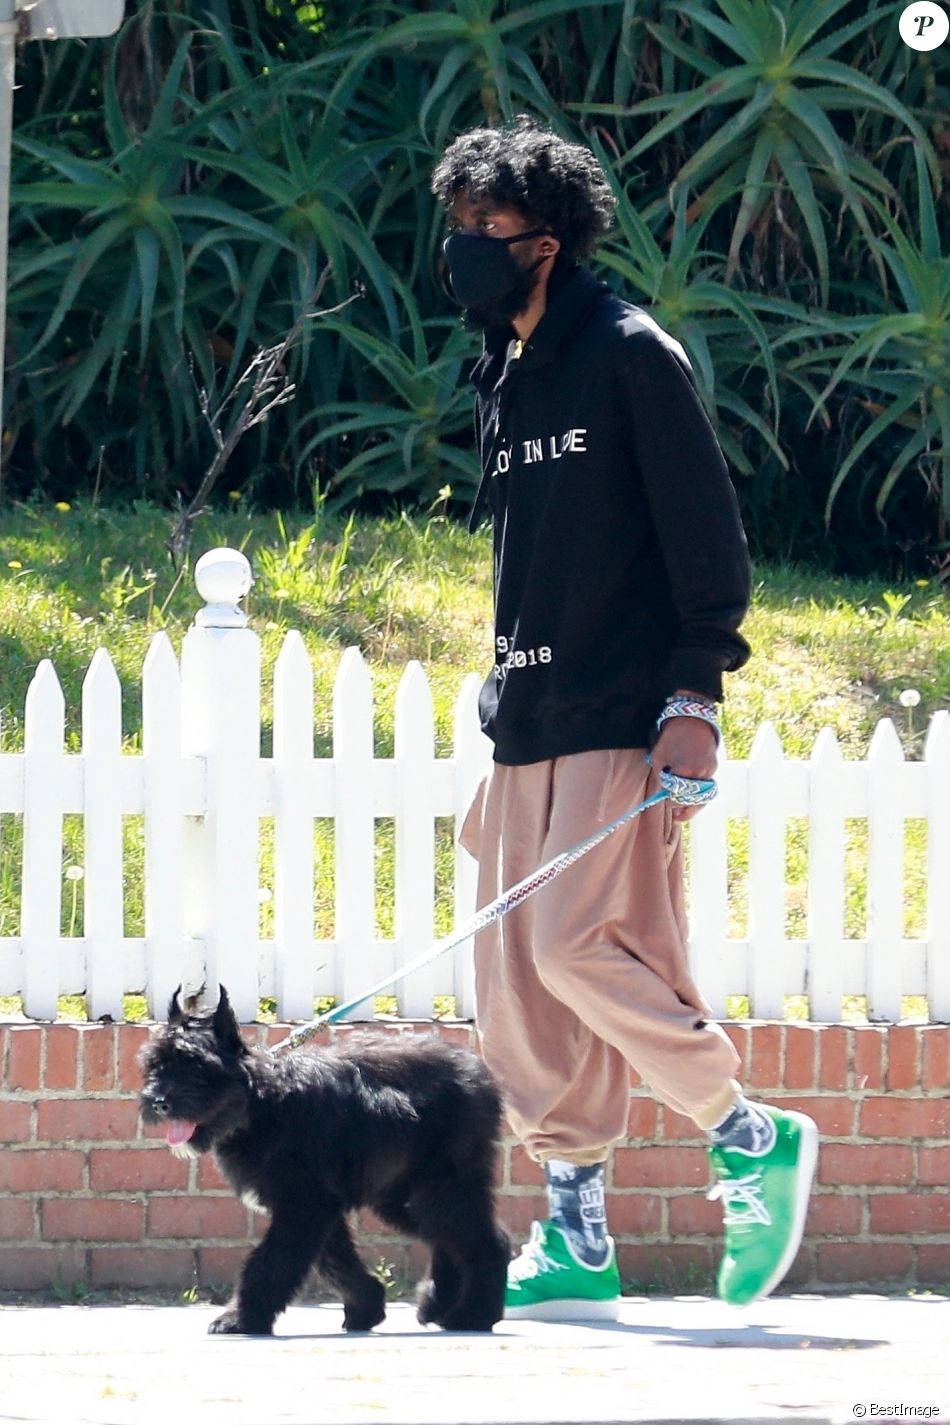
(621, 569)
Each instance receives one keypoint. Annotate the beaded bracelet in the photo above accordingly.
(690, 707)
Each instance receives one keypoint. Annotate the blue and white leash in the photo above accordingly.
(682, 791)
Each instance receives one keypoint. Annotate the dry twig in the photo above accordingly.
(262, 387)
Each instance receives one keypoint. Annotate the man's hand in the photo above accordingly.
(687, 746)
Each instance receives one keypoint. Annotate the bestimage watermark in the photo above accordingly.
(896, 1412)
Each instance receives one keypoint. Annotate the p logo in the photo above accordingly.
(924, 26)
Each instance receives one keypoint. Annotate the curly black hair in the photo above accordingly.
(532, 169)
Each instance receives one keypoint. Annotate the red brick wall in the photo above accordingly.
(87, 1196)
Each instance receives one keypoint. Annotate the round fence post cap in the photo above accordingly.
(223, 577)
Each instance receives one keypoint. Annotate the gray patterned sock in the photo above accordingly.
(744, 1126)
(576, 1203)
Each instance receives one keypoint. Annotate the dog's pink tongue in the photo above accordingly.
(179, 1130)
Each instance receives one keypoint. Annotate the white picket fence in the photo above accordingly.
(202, 787)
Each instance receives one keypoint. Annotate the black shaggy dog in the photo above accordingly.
(408, 1127)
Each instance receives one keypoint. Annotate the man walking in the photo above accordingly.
(621, 578)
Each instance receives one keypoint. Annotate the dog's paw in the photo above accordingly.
(429, 1309)
(362, 1319)
(467, 1320)
(365, 1314)
(230, 1323)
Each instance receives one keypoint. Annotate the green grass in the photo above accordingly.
(74, 580)
(826, 652)
(838, 653)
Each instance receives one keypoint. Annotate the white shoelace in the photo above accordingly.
(533, 1261)
(742, 1201)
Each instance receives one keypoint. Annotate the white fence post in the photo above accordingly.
(826, 881)
(102, 811)
(937, 764)
(45, 720)
(221, 696)
(164, 824)
(358, 964)
(472, 755)
(708, 892)
(293, 829)
(415, 839)
(885, 872)
(767, 873)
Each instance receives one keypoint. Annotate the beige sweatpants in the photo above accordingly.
(590, 974)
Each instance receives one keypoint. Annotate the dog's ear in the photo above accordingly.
(225, 1024)
(175, 1013)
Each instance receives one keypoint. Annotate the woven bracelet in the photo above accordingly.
(690, 707)
(687, 791)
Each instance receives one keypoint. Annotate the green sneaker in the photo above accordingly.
(765, 1199)
(547, 1282)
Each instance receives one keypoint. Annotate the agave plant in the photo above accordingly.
(776, 143)
(719, 327)
(923, 83)
(896, 361)
(478, 56)
(411, 406)
(169, 275)
(179, 187)
(131, 221)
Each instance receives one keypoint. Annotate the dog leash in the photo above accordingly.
(682, 791)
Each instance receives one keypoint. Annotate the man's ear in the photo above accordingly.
(549, 246)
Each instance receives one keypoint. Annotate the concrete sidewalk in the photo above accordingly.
(688, 1359)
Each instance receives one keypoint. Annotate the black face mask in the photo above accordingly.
(485, 277)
